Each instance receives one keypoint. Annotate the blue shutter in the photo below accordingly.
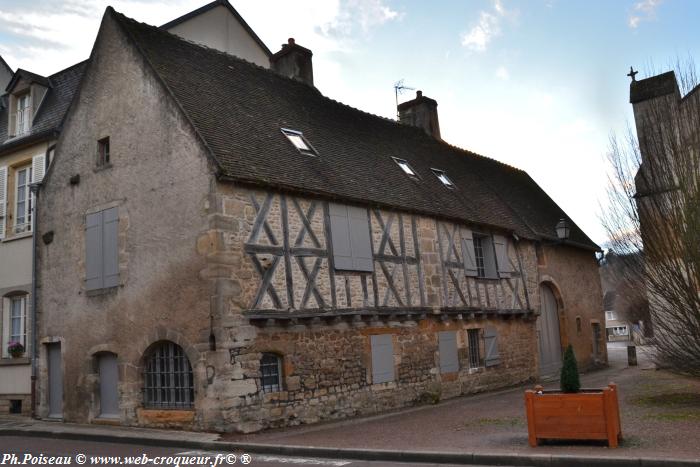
(360, 245)
(110, 247)
(3, 201)
(490, 270)
(500, 244)
(491, 344)
(382, 358)
(468, 255)
(340, 234)
(447, 346)
(93, 252)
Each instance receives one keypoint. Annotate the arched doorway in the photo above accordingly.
(548, 338)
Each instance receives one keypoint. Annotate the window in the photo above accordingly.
(484, 256)
(168, 381)
(18, 320)
(23, 114)
(14, 321)
(352, 247)
(23, 199)
(610, 315)
(271, 372)
(382, 358)
(103, 152)
(440, 174)
(447, 346)
(299, 142)
(408, 170)
(579, 330)
(102, 249)
(474, 353)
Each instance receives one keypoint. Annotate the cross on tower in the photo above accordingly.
(632, 74)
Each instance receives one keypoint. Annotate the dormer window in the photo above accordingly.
(23, 114)
(440, 174)
(299, 142)
(406, 167)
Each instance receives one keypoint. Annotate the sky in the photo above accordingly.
(537, 84)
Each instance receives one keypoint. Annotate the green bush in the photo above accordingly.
(569, 381)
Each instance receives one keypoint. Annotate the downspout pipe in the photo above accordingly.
(34, 187)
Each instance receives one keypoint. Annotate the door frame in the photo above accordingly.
(549, 283)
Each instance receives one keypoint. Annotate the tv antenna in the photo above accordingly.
(400, 88)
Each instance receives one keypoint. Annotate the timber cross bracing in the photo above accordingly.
(290, 247)
(461, 290)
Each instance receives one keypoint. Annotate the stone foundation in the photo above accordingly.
(6, 403)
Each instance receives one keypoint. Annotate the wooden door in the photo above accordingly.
(549, 341)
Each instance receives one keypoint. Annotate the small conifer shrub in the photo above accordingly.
(569, 381)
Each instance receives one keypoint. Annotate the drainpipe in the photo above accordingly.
(34, 187)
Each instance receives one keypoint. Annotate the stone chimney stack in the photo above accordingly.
(421, 112)
(294, 61)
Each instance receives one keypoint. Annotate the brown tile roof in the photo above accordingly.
(238, 108)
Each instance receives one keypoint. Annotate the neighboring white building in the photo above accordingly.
(219, 26)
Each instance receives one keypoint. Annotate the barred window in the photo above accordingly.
(474, 356)
(271, 372)
(168, 378)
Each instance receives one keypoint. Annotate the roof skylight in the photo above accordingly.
(408, 170)
(440, 174)
(299, 142)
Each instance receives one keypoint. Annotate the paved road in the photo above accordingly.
(37, 447)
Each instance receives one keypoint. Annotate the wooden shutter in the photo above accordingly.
(38, 168)
(3, 201)
(352, 250)
(490, 270)
(468, 253)
(110, 247)
(491, 345)
(382, 358)
(360, 243)
(340, 234)
(447, 346)
(500, 244)
(94, 278)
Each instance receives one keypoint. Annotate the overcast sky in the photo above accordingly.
(538, 84)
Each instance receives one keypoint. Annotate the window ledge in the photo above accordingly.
(98, 292)
(17, 236)
(102, 167)
(14, 361)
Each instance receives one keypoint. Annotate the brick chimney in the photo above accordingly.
(421, 112)
(294, 61)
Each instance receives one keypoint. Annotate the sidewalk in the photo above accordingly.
(660, 424)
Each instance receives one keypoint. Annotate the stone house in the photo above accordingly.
(31, 113)
(254, 254)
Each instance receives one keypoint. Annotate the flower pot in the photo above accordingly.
(587, 414)
(16, 354)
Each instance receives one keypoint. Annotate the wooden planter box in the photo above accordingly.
(588, 414)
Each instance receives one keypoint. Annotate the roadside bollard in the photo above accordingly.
(631, 355)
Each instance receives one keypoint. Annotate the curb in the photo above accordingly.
(434, 457)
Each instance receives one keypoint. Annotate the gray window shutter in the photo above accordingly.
(447, 346)
(360, 245)
(491, 345)
(490, 270)
(3, 201)
(468, 253)
(110, 247)
(38, 168)
(93, 252)
(382, 358)
(500, 244)
(340, 234)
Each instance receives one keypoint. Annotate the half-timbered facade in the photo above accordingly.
(258, 255)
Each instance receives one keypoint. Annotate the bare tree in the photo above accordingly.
(653, 217)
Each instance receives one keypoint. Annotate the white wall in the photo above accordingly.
(219, 29)
(16, 262)
(15, 379)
